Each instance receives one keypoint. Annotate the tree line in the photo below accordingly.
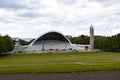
(105, 43)
(6, 44)
(24, 42)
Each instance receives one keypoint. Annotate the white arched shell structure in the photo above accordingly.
(52, 41)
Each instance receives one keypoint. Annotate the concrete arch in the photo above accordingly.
(53, 35)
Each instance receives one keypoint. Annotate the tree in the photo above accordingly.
(6, 44)
(82, 39)
(2, 45)
(9, 43)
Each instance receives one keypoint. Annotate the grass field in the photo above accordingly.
(65, 62)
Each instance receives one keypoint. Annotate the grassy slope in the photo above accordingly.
(68, 62)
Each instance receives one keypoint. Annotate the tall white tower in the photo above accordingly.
(91, 38)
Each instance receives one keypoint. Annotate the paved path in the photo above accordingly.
(112, 75)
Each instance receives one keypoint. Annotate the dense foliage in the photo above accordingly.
(6, 44)
(23, 42)
(111, 43)
(83, 39)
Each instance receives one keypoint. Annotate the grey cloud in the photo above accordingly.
(107, 2)
(11, 4)
(61, 23)
(49, 18)
(69, 2)
(31, 15)
(5, 20)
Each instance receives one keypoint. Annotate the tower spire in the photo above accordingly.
(91, 37)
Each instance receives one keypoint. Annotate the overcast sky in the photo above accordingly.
(31, 18)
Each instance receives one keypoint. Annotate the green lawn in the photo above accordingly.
(65, 62)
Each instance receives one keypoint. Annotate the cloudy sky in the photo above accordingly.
(31, 18)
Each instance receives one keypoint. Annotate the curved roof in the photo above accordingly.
(52, 36)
